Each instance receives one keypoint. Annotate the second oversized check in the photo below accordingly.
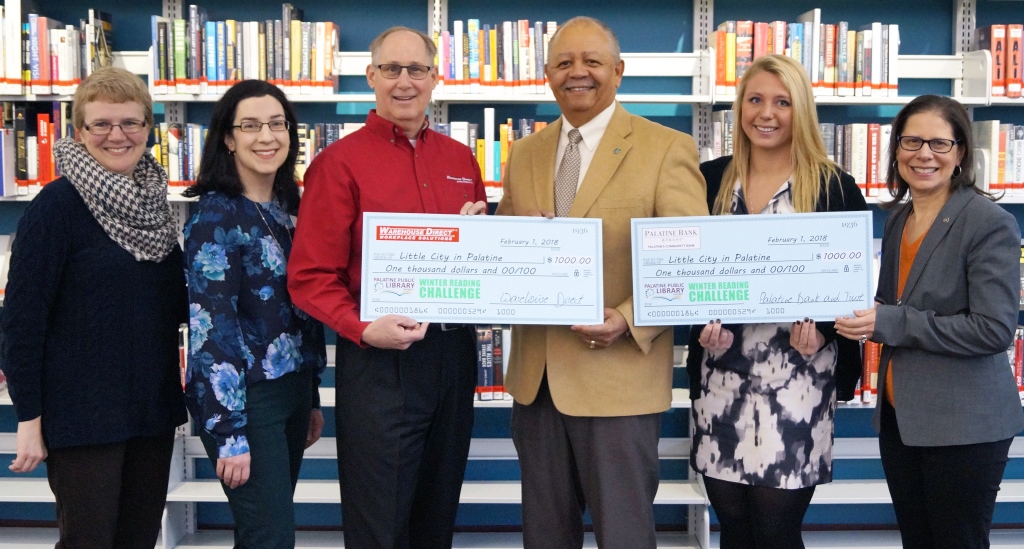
(751, 268)
(482, 269)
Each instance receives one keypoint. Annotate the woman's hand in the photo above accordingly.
(233, 471)
(31, 450)
(805, 337)
(714, 337)
(858, 327)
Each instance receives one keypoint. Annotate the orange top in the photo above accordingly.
(908, 251)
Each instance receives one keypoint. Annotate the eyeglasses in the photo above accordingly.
(252, 126)
(128, 127)
(394, 70)
(911, 143)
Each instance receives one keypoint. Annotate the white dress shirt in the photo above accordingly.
(591, 132)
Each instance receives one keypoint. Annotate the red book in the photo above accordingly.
(761, 37)
(44, 148)
(993, 38)
(869, 379)
(1014, 60)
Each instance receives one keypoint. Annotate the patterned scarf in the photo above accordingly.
(134, 212)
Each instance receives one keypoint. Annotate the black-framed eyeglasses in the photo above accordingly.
(252, 126)
(128, 127)
(912, 143)
(394, 70)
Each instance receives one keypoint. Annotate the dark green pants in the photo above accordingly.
(278, 419)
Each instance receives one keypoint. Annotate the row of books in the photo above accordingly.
(490, 153)
(503, 58)
(839, 60)
(491, 362)
(999, 151)
(27, 134)
(53, 58)
(862, 150)
(1004, 42)
(199, 56)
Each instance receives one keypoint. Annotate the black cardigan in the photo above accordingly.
(843, 196)
(90, 334)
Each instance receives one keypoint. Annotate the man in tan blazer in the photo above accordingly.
(588, 399)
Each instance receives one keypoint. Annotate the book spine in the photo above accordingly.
(1014, 60)
(744, 48)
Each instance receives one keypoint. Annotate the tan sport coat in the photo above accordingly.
(640, 169)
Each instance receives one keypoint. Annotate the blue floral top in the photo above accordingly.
(243, 327)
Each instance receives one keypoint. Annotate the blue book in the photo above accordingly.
(222, 50)
(210, 43)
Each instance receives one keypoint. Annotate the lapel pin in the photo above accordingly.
(617, 151)
(945, 220)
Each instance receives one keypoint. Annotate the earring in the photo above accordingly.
(231, 152)
(957, 171)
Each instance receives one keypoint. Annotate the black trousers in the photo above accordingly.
(404, 421)
(607, 465)
(277, 423)
(944, 496)
(111, 495)
(758, 517)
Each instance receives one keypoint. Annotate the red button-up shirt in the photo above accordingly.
(375, 169)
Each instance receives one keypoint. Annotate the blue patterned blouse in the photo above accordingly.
(243, 328)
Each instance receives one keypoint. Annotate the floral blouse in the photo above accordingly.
(243, 328)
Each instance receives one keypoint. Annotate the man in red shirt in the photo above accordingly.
(404, 389)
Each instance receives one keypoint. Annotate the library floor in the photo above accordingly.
(42, 538)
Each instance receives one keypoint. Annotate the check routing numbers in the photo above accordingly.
(482, 269)
(751, 268)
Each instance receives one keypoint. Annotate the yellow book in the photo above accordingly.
(503, 136)
(493, 39)
(480, 156)
(296, 47)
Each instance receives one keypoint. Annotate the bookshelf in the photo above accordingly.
(670, 73)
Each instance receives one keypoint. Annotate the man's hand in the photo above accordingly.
(316, 427)
(30, 448)
(233, 471)
(599, 336)
(394, 332)
(474, 208)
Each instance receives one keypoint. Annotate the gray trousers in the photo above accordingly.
(607, 465)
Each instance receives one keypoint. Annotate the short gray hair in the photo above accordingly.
(579, 19)
(376, 43)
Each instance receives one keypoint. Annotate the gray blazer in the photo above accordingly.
(947, 335)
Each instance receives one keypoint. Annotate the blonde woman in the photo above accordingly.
(764, 394)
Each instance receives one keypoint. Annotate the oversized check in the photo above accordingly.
(751, 268)
(482, 269)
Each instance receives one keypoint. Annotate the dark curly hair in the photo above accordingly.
(217, 171)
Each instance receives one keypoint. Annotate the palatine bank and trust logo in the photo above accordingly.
(671, 238)
(418, 234)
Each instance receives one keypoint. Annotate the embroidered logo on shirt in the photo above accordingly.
(460, 179)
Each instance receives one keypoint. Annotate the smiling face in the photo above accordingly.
(582, 71)
(402, 101)
(927, 172)
(117, 151)
(258, 155)
(767, 118)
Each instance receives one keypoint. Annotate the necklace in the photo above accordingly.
(271, 230)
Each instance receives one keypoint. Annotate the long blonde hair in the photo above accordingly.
(811, 163)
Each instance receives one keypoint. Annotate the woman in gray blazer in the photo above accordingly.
(945, 314)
